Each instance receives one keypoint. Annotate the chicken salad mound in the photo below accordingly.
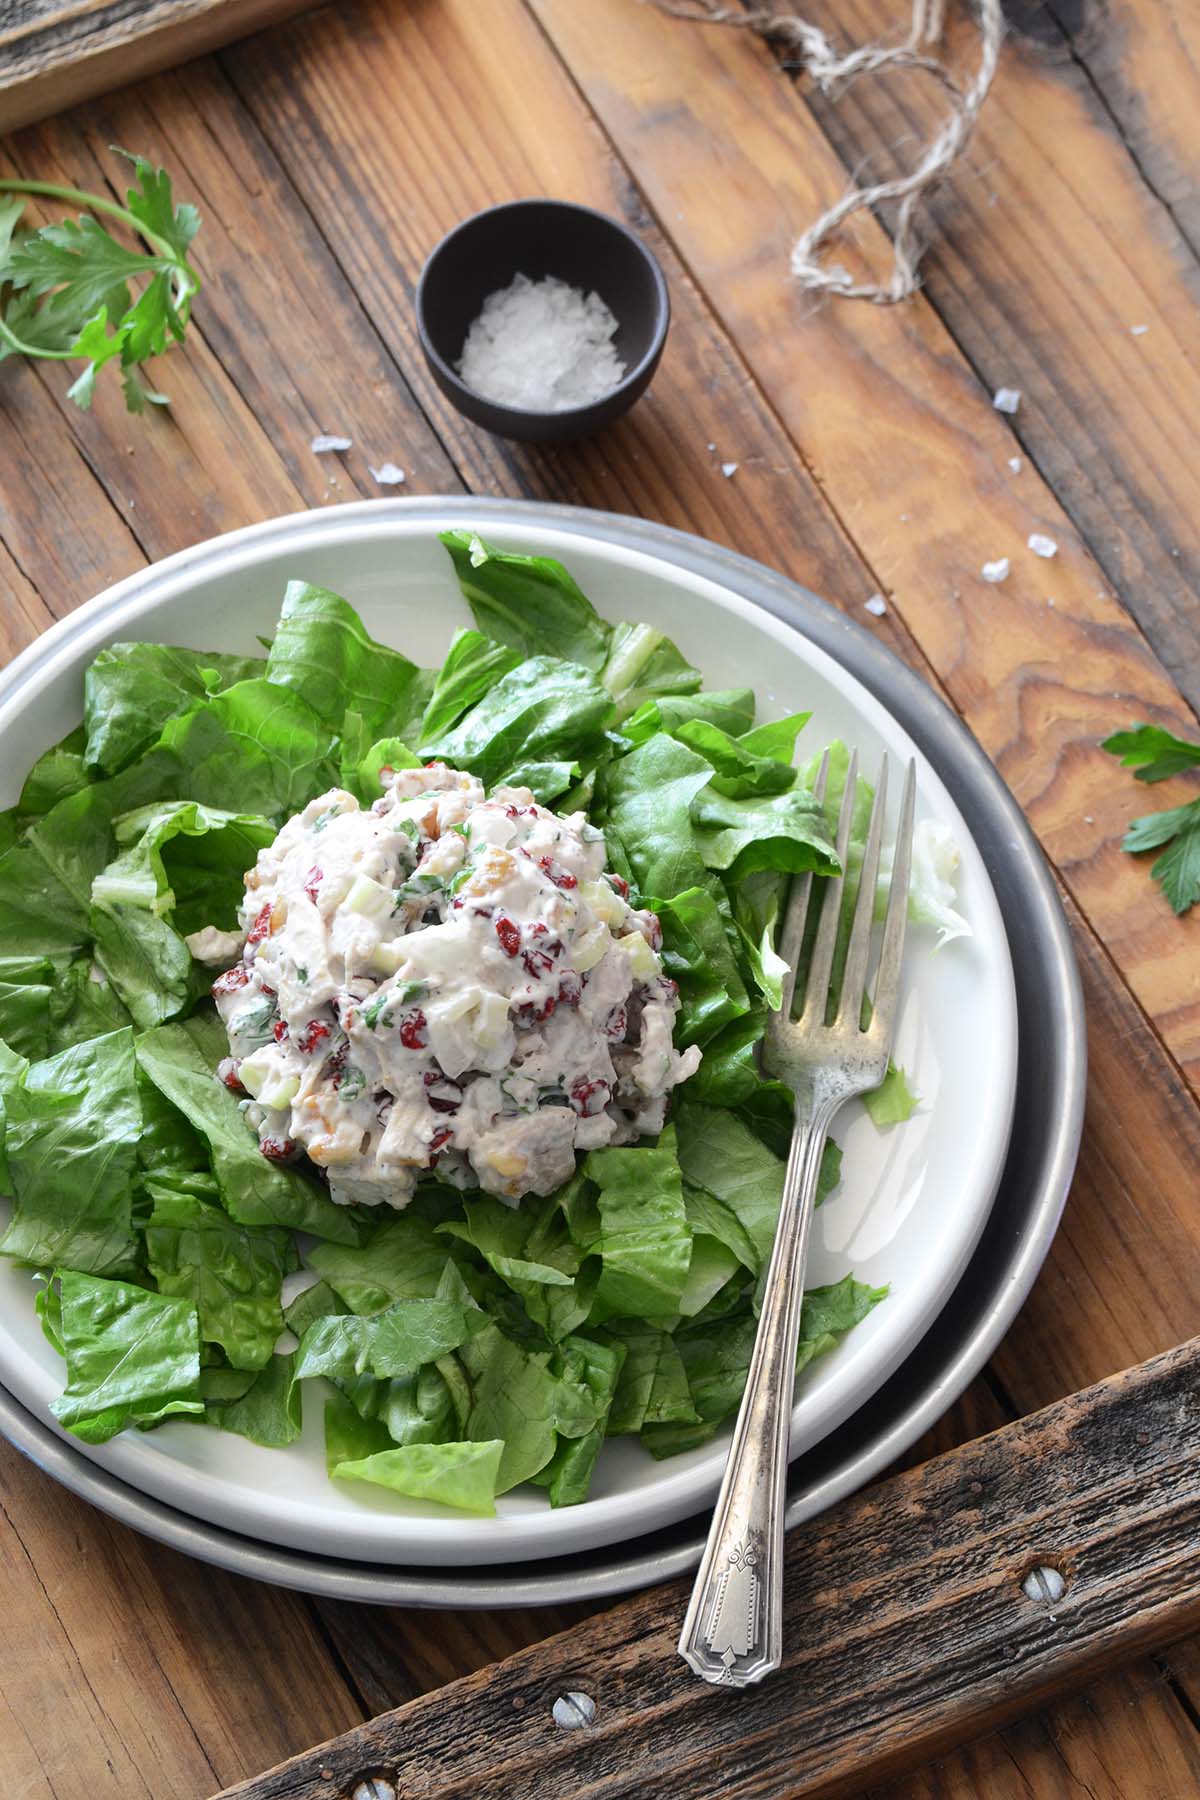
(446, 981)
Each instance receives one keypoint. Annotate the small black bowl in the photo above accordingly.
(588, 250)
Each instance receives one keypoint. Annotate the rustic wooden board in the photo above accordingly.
(910, 1628)
(54, 53)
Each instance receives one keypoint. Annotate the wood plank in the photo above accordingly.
(1048, 246)
(54, 55)
(129, 1670)
(1145, 63)
(916, 1629)
(23, 615)
(914, 458)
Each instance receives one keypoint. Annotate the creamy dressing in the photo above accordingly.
(445, 982)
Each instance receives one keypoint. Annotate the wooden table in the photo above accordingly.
(327, 156)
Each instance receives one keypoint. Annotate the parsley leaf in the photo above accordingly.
(65, 289)
(1154, 754)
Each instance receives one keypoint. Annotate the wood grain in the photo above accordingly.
(53, 55)
(905, 441)
(917, 1631)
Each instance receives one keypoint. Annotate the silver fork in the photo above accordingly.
(733, 1632)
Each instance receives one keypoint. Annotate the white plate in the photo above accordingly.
(913, 1200)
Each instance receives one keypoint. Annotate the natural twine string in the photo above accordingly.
(831, 71)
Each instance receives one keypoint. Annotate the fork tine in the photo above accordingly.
(887, 979)
(858, 951)
(816, 992)
(792, 936)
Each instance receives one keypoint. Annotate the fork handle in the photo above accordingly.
(733, 1632)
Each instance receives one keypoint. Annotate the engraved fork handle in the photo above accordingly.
(733, 1632)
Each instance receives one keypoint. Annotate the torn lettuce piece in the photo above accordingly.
(460, 1475)
(645, 1242)
(133, 1357)
(473, 665)
(568, 1475)
(653, 1384)
(130, 690)
(541, 711)
(397, 1341)
(260, 741)
(893, 1101)
(312, 1303)
(231, 1273)
(730, 709)
(528, 602)
(270, 1412)
(697, 955)
(642, 664)
(740, 771)
(323, 652)
(525, 1397)
(349, 1437)
(403, 1259)
(57, 774)
(785, 831)
(181, 1060)
(649, 809)
(71, 1127)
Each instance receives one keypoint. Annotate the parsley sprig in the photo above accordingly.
(65, 289)
(1153, 754)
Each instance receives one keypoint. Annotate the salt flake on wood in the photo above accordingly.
(876, 605)
(325, 442)
(1006, 400)
(995, 571)
(387, 474)
(1041, 545)
(728, 469)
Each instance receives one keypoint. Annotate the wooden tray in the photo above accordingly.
(54, 53)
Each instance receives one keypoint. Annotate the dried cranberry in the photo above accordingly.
(277, 1149)
(231, 980)
(538, 929)
(279, 1030)
(560, 877)
(510, 812)
(314, 1033)
(589, 1097)
(443, 1095)
(267, 993)
(539, 963)
(616, 1025)
(261, 925)
(412, 1030)
(227, 1071)
(668, 988)
(334, 1066)
(509, 935)
(528, 1016)
(619, 883)
(438, 1142)
(312, 882)
(570, 988)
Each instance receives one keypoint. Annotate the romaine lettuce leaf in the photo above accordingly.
(530, 602)
(525, 1397)
(57, 774)
(741, 772)
(649, 800)
(645, 1243)
(403, 1259)
(270, 1412)
(785, 831)
(181, 1060)
(324, 653)
(543, 710)
(472, 667)
(70, 1140)
(721, 1155)
(458, 1475)
(568, 1474)
(133, 1357)
(397, 1341)
(316, 1302)
(653, 1386)
(731, 709)
(412, 1409)
(696, 954)
(231, 1273)
(131, 690)
(348, 1436)
(257, 740)
(12, 1071)
(893, 1101)
(643, 663)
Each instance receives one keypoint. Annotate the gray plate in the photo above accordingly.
(1048, 1118)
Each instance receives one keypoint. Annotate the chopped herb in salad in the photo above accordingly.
(447, 1033)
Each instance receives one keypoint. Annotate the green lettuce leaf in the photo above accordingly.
(397, 1341)
(696, 954)
(730, 709)
(645, 1243)
(257, 740)
(131, 690)
(412, 1409)
(132, 1357)
(12, 1072)
(742, 772)
(568, 1475)
(529, 602)
(270, 1411)
(893, 1100)
(181, 1060)
(404, 1259)
(56, 775)
(543, 710)
(785, 831)
(324, 653)
(231, 1273)
(348, 1436)
(525, 1398)
(25, 995)
(70, 1140)
(653, 1386)
(316, 1302)
(650, 796)
(472, 667)
(720, 1154)
(459, 1475)
(642, 664)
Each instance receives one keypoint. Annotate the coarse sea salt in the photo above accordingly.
(387, 474)
(876, 604)
(1006, 400)
(1041, 545)
(995, 571)
(325, 442)
(542, 346)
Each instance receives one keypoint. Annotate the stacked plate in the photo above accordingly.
(955, 1211)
